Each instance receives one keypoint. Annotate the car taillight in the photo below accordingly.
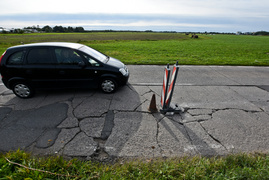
(2, 57)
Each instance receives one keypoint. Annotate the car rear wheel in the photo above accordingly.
(23, 90)
(109, 85)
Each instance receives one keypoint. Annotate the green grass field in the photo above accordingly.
(241, 166)
(162, 48)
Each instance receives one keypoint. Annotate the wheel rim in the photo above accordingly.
(108, 86)
(22, 90)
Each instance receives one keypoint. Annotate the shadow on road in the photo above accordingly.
(42, 123)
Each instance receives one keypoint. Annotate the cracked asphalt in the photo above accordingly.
(226, 110)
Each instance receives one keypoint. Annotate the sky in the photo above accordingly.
(156, 15)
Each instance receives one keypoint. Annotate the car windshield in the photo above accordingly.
(96, 54)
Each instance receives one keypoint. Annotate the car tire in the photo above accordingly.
(108, 85)
(23, 90)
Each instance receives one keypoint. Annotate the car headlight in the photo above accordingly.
(124, 71)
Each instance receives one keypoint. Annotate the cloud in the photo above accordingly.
(158, 22)
(179, 15)
(177, 7)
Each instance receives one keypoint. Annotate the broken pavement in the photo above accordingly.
(226, 110)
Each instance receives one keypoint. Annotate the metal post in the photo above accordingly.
(165, 86)
(172, 85)
(167, 92)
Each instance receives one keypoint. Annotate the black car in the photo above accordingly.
(25, 68)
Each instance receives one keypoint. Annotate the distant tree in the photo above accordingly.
(263, 33)
(70, 29)
(79, 29)
(47, 29)
(62, 29)
(58, 29)
(19, 31)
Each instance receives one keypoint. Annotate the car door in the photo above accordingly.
(72, 69)
(39, 67)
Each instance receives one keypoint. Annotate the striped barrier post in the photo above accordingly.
(167, 91)
(165, 86)
(172, 85)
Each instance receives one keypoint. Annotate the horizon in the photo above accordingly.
(126, 30)
(140, 15)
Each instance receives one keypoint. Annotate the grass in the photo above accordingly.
(162, 48)
(240, 166)
(211, 50)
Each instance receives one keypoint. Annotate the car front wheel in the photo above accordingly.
(109, 85)
(23, 90)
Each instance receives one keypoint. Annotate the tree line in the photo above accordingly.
(69, 29)
(48, 29)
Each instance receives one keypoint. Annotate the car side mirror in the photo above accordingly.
(81, 64)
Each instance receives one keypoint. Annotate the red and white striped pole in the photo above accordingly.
(165, 86)
(172, 85)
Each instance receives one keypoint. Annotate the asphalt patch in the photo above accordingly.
(108, 126)
(20, 129)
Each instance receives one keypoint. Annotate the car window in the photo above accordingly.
(40, 56)
(16, 58)
(91, 61)
(67, 56)
(96, 54)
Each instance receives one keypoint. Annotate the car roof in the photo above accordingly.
(56, 44)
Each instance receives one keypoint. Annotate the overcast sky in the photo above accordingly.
(157, 15)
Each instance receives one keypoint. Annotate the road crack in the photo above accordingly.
(158, 120)
(212, 137)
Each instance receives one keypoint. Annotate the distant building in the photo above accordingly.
(3, 29)
(249, 33)
(30, 30)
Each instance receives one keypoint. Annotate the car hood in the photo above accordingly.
(115, 62)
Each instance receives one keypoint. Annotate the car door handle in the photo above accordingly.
(62, 72)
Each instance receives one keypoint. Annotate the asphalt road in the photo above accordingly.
(226, 110)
